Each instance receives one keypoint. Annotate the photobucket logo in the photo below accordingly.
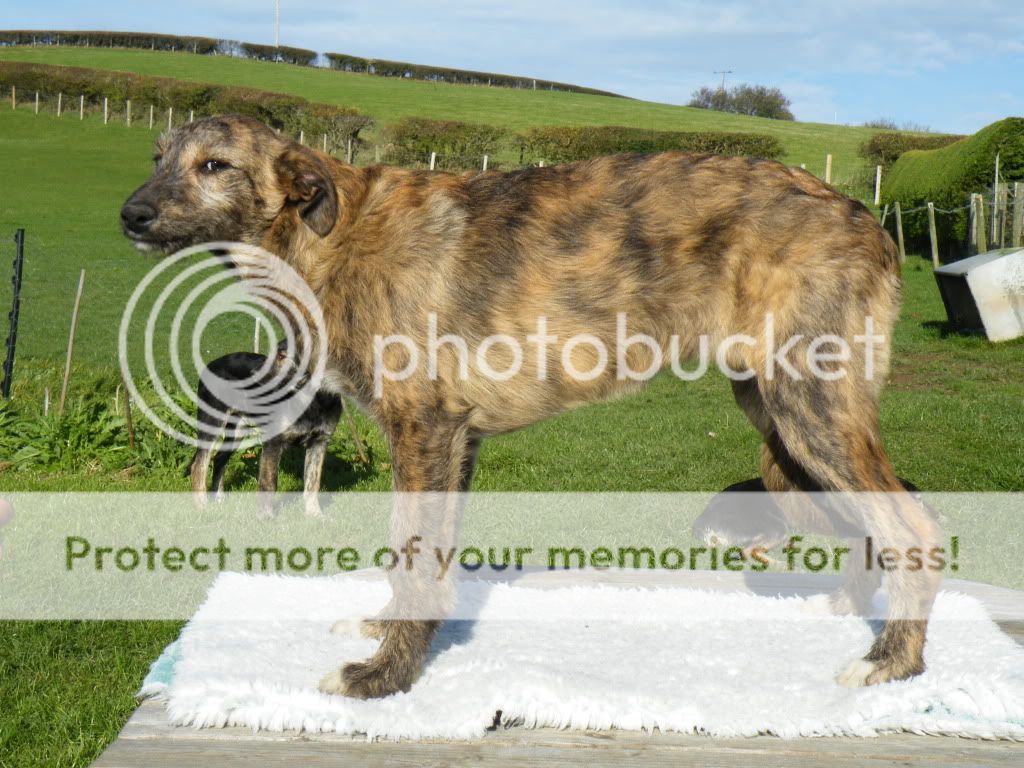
(630, 356)
(173, 306)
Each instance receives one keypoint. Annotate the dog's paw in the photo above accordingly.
(865, 672)
(370, 679)
(358, 628)
(373, 679)
(333, 683)
(856, 673)
(350, 628)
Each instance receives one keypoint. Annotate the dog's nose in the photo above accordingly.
(137, 217)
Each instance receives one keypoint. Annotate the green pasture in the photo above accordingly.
(388, 99)
(953, 411)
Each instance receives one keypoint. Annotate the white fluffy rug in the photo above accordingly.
(583, 657)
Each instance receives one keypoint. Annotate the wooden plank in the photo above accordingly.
(222, 748)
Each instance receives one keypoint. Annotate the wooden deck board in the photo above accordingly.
(148, 740)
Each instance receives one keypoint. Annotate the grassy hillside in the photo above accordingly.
(70, 178)
(388, 99)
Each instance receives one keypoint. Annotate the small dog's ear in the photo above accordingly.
(308, 185)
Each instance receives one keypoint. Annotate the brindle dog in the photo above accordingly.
(685, 245)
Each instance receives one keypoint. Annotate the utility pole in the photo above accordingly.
(277, 23)
(723, 73)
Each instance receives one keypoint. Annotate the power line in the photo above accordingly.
(723, 73)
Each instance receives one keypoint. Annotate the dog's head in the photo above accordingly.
(228, 178)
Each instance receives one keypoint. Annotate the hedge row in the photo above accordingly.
(884, 149)
(288, 54)
(949, 175)
(560, 144)
(458, 145)
(158, 42)
(385, 68)
(283, 111)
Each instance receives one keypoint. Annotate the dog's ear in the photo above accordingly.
(308, 185)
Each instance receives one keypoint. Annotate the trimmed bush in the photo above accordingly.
(562, 144)
(458, 145)
(949, 175)
(884, 149)
(283, 111)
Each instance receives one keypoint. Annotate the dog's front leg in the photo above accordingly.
(431, 464)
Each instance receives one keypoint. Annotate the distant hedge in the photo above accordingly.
(291, 114)
(157, 42)
(948, 175)
(100, 39)
(385, 68)
(458, 145)
(561, 144)
(287, 54)
(884, 149)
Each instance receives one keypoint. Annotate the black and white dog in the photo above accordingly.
(219, 419)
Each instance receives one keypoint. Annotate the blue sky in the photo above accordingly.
(953, 66)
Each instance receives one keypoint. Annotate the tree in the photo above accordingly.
(753, 100)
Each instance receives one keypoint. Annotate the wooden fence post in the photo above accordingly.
(878, 184)
(170, 118)
(128, 112)
(828, 169)
(885, 215)
(191, 115)
(932, 235)
(485, 163)
(60, 103)
(37, 102)
(302, 137)
(106, 110)
(1018, 215)
(325, 143)
(899, 233)
(348, 151)
(81, 107)
(1002, 201)
(71, 342)
(995, 202)
(433, 159)
(151, 117)
(128, 413)
(980, 241)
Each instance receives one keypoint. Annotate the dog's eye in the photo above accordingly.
(213, 166)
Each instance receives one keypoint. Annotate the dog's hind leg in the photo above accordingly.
(221, 459)
(313, 469)
(200, 467)
(830, 429)
(270, 465)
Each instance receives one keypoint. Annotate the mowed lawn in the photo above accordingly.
(388, 99)
(952, 413)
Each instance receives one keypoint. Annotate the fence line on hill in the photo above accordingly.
(1008, 230)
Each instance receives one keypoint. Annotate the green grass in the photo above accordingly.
(952, 416)
(388, 99)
